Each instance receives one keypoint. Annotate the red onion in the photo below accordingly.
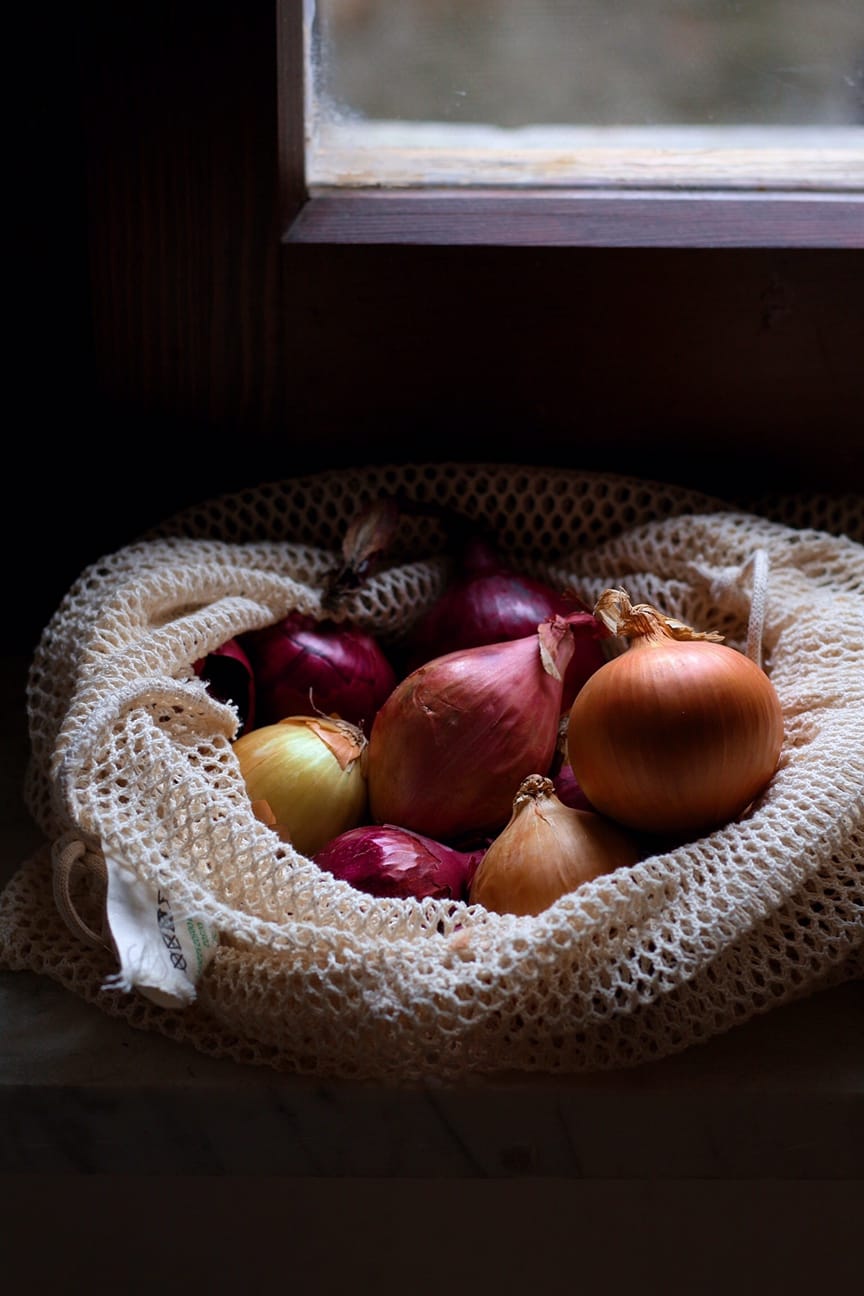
(308, 667)
(386, 860)
(454, 739)
(229, 677)
(488, 603)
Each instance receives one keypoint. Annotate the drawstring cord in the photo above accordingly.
(727, 590)
(758, 600)
(66, 854)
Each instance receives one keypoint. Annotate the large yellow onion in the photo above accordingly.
(679, 733)
(311, 772)
(547, 850)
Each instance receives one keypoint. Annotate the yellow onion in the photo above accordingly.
(311, 773)
(547, 850)
(679, 733)
(455, 738)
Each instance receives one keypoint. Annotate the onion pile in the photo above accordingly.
(491, 770)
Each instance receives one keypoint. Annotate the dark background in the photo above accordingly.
(167, 348)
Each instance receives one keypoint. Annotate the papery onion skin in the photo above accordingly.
(675, 736)
(308, 667)
(311, 772)
(546, 851)
(385, 860)
(487, 602)
(453, 741)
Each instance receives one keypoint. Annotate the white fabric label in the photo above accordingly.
(159, 956)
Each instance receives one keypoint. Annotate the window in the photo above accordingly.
(508, 121)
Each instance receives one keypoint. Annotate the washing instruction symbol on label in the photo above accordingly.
(157, 958)
(165, 922)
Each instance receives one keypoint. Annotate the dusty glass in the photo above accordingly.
(517, 63)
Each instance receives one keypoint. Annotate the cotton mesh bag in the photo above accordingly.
(161, 898)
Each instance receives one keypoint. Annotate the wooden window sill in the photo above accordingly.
(507, 217)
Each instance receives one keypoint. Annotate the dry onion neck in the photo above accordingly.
(366, 542)
(642, 622)
(532, 788)
(346, 741)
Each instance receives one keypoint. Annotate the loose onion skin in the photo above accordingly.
(306, 777)
(677, 735)
(487, 602)
(453, 741)
(546, 851)
(386, 860)
(304, 667)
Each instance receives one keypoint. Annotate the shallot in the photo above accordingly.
(454, 739)
(567, 789)
(228, 676)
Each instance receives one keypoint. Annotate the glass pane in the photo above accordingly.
(518, 63)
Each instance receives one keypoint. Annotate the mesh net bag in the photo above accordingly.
(131, 759)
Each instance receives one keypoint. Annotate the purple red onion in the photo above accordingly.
(388, 861)
(454, 739)
(228, 675)
(308, 667)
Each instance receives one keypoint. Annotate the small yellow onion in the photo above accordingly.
(547, 850)
(679, 733)
(311, 773)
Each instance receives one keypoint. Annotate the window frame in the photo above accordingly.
(534, 216)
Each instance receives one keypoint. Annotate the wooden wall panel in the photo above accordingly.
(729, 370)
(202, 356)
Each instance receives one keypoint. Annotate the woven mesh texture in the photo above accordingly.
(129, 754)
